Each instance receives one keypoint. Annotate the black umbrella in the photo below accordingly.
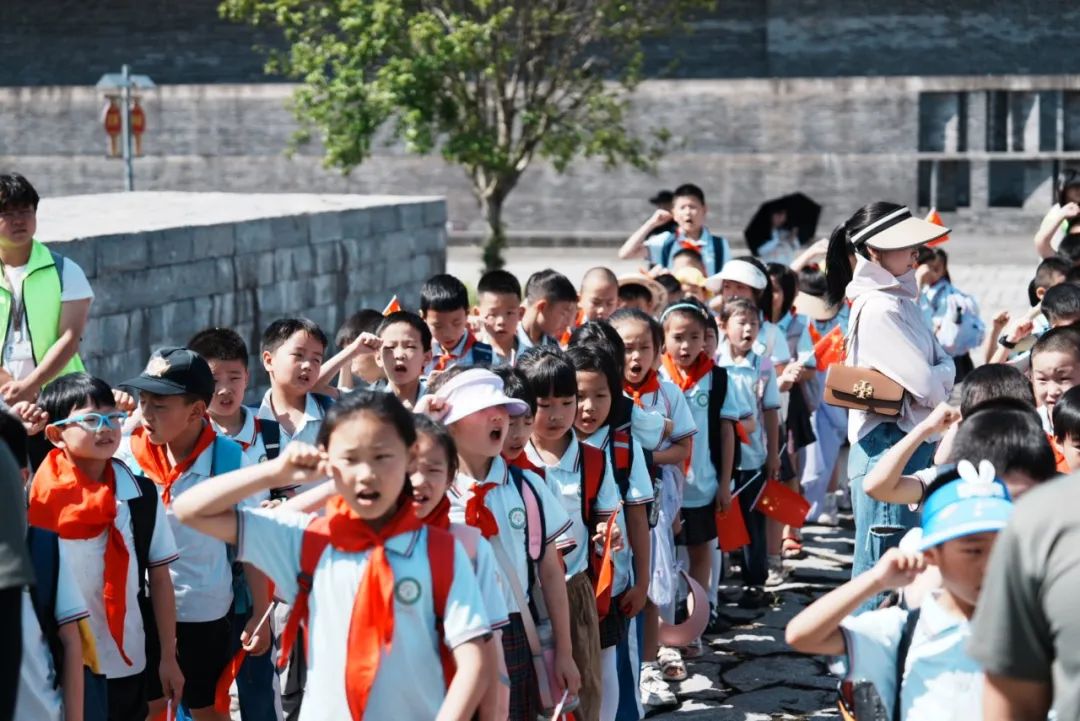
(802, 213)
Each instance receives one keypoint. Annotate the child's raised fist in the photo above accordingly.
(941, 418)
(303, 463)
(33, 417)
(898, 568)
(365, 344)
(124, 401)
(660, 217)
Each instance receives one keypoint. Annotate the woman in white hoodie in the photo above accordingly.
(888, 333)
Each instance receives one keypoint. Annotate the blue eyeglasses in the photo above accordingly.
(94, 422)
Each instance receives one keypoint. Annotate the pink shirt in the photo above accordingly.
(891, 336)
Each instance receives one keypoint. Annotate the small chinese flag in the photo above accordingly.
(392, 307)
(606, 574)
(829, 348)
(225, 681)
(934, 217)
(782, 504)
(741, 434)
(731, 528)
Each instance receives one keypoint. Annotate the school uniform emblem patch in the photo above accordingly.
(702, 399)
(517, 518)
(407, 590)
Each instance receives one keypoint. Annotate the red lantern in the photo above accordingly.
(138, 124)
(111, 120)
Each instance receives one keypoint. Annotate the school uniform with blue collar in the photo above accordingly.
(315, 408)
(468, 352)
(409, 683)
(755, 391)
(954, 317)
(524, 342)
(713, 249)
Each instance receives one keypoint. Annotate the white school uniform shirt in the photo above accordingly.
(309, 428)
(409, 683)
(755, 390)
(702, 482)
(564, 481)
(524, 342)
(941, 681)
(1045, 419)
(202, 575)
(639, 491)
(85, 559)
(488, 578)
(647, 427)
(509, 509)
(38, 698)
(18, 354)
(249, 437)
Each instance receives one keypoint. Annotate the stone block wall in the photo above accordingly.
(160, 285)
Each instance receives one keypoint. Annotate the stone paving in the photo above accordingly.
(748, 673)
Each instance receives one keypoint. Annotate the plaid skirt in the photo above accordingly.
(524, 694)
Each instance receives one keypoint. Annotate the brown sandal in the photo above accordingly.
(792, 547)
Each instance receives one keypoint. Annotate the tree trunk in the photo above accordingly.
(492, 205)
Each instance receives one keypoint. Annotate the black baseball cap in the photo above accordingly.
(664, 197)
(173, 371)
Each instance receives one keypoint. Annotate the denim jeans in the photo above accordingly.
(879, 526)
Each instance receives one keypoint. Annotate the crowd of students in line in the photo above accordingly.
(526, 505)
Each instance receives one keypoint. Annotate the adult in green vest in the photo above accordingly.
(44, 299)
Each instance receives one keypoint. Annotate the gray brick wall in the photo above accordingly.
(72, 42)
(159, 287)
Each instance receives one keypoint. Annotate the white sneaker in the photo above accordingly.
(655, 692)
(777, 573)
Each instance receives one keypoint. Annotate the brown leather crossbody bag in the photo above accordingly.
(862, 389)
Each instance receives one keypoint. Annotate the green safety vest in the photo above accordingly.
(41, 288)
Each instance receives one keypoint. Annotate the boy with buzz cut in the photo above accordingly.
(176, 447)
(551, 301)
(444, 306)
(916, 659)
(292, 354)
(498, 303)
(404, 352)
(688, 210)
(599, 294)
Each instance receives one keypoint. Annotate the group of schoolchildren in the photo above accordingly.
(501, 510)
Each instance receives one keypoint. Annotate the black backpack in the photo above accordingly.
(717, 395)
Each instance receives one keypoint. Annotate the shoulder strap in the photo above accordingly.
(902, 648)
(482, 354)
(717, 396)
(315, 540)
(621, 449)
(228, 456)
(143, 511)
(667, 247)
(535, 525)
(58, 261)
(271, 437)
(718, 250)
(440, 548)
(323, 401)
(592, 475)
(44, 547)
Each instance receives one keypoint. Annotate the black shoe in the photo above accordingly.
(752, 597)
(717, 623)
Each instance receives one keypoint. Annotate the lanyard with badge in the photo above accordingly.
(18, 347)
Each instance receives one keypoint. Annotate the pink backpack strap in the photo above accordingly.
(468, 537)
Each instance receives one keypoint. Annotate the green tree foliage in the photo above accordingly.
(489, 84)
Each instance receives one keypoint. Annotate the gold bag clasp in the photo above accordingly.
(863, 390)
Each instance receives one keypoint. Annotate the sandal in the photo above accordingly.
(792, 547)
(671, 664)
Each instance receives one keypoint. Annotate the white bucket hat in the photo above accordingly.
(475, 390)
(898, 230)
(739, 271)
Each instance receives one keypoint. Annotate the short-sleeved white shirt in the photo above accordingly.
(508, 507)
(941, 681)
(460, 358)
(18, 356)
(647, 426)
(639, 491)
(308, 430)
(409, 683)
(701, 483)
(564, 482)
(756, 390)
(85, 559)
(37, 699)
(202, 575)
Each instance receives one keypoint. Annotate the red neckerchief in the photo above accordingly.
(154, 459)
(522, 461)
(651, 384)
(579, 319)
(686, 380)
(66, 501)
(440, 515)
(371, 627)
(448, 355)
(479, 515)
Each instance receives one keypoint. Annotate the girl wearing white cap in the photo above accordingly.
(887, 333)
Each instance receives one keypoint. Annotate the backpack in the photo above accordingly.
(592, 477)
(440, 550)
(717, 395)
(535, 525)
(482, 354)
(854, 704)
(667, 250)
(323, 401)
(270, 431)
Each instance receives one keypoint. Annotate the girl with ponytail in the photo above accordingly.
(887, 333)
